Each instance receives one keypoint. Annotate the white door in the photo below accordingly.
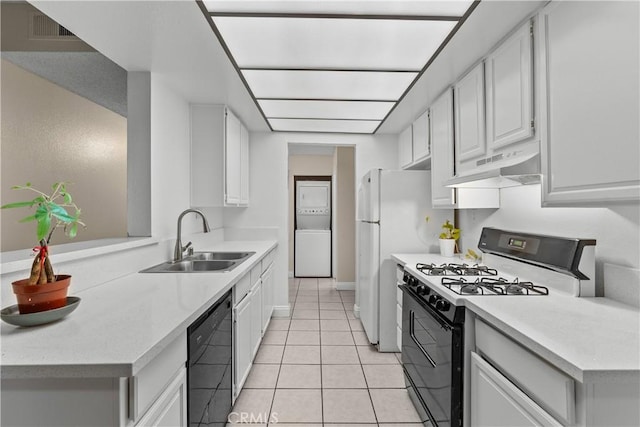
(421, 137)
(442, 151)
(368, 264)
(233, 156)
(312, 253)
(256, 317)
(496, 402)
(242, 341)
(405, 147)
(313, 194)
(468, 96)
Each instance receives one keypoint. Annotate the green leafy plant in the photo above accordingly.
(50, 214)
(449, 231)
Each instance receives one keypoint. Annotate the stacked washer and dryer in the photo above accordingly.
(313, 229)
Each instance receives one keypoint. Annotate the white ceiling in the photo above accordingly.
(173, 41)
(331, 51)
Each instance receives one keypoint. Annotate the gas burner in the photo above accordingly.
(471, 288)
(452, 269)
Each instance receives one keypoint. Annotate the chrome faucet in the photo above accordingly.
(179, 250)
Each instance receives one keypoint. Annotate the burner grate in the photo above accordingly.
(453, 269)
(492, 286)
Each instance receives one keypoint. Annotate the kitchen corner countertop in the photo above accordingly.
(122, 324)
(590, 339)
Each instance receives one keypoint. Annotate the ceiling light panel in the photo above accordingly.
(387, 7)
(323, 43)
(325, 109)
(328, 85)
(329, 126)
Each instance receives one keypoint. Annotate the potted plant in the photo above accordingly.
(44, 290)
(448, 239)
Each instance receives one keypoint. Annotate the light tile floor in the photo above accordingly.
(318, 369)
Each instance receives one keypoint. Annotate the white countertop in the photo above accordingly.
(121, 325)
(585, 337)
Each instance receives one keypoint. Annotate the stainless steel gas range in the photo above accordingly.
(515, 265)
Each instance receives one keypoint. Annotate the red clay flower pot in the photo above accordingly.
(35, 298)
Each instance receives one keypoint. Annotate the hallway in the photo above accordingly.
(318, 368)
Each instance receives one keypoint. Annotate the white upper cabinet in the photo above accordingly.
(441, 113)
(219, 158)
(421, 143)
(405, 147)
(468, 95)
(589, 83)
(509, 85)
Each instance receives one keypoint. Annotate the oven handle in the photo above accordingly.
(415, 340)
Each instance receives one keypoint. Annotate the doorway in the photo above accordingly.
(338, 163)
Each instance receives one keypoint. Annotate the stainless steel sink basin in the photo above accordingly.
(227, 256)
(192, 265)
(202, 262)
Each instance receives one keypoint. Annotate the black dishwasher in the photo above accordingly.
(209, 366)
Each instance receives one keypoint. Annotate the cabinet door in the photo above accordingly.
(244, 166)
(469, 115)
(233, 156)
(170, 409)
(495, 401)
(242, 342)
(207, 155)
(267, 297)
(256, 317)
(509, 80)
(421, 137)
(405, 147)
(589, 70)
(441, 113)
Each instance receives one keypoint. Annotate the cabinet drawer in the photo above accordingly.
(151, 381)
(546, 385)
(399, 295)
(399, 273)
(241, 288)
(399, 315)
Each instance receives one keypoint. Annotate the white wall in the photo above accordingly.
(268, 156)
(616, 229)
(170, 164)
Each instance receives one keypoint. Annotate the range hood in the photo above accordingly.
(500, 172)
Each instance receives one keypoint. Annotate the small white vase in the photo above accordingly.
(447, 247)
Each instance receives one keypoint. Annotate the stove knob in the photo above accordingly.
(405, 278)
(442, 305)
(434, 299)
(413, 281)
(423, 290)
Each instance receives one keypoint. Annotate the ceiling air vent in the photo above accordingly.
(43, 27)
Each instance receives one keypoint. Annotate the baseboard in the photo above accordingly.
(281, 311)
(356, 311)
(346, 286)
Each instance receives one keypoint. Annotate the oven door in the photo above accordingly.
(432, 360)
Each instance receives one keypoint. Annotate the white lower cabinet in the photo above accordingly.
(497, 402)
(242, 342)
(170, 409)
(154, 396)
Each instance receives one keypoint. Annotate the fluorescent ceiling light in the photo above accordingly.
(363, 44)
(328, 85)
(334, 126)
(376, 7)
(325, 109)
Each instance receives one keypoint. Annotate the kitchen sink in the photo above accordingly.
(202, 262)
(227, 256)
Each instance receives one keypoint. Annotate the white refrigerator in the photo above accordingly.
(392, 206)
